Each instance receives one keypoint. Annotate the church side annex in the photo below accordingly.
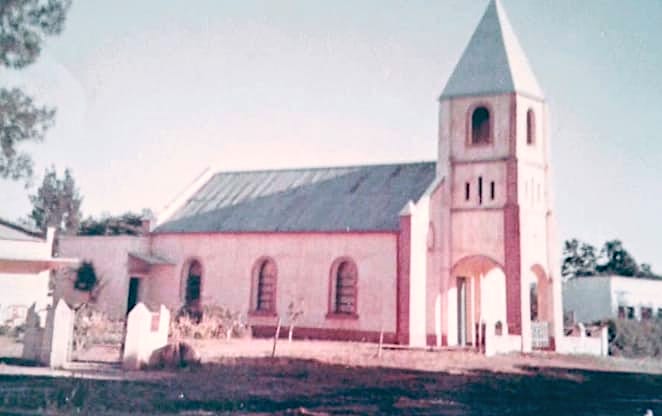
(427, 252)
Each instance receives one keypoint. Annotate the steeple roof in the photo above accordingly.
(493, 62)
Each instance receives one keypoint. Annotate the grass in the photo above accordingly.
(346, 378)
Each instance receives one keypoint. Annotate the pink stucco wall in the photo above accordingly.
(109, 255)
(303, 261)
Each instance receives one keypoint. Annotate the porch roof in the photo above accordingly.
(34, 265)
(151, 259)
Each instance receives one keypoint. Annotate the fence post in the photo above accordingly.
(60, 335)
(604, 341)
(276, 335)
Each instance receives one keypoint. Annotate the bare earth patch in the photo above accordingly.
(311, 377)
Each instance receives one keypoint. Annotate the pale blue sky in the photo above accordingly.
(151, 92)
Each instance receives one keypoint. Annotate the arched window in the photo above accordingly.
(530, 127)
(265, 275)
(344, 287)
(480, 126)
(192, 289)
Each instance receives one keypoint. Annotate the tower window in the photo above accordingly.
(492, 190)
(480, 190)
(467, 191)
(530, 127)
(480, 126)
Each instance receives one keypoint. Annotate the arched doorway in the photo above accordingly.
(477, 296)
(192, 288)
(540, 307)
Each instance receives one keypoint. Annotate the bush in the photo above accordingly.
(635, 339)
(86, 277)
(210, 322)
(92, 326)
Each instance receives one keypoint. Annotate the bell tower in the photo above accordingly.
(500, 264)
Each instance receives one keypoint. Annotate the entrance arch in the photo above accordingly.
(192, 285)
(541, 294)
(477, 295)
(540, 307)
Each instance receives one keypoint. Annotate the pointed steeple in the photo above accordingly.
(493, 62)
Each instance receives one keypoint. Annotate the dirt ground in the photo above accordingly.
(312, 377)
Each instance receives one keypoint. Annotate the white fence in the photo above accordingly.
(146, 332)
(51, 344)
(583, 344)
(498, 341)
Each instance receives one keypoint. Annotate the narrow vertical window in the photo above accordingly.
(492, 191)
(467, 191)
(480, 190)
(265, 296)
(630, 312)
(621, 312)
(345, 288)
(530, 127)
(480, 126)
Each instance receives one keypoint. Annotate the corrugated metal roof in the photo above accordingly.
(493, 62)
(355, 198)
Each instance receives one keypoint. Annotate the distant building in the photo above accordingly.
(25, 265)
(425, 252)
(594, 298)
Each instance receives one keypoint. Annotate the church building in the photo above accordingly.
(427, 253)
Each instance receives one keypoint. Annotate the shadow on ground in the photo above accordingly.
(288, 386)
(22, 362)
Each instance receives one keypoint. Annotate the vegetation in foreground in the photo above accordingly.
(287, 386)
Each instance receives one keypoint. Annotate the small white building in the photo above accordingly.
(25, 264)
(593, 298)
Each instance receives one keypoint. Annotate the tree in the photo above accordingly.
(295, 311)
(616, 260)
(24, 24)
(128, 223)
(646, 271)
(20, 121)
(579, 259)
(57, 203)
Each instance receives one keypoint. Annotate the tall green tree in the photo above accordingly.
(24, 25)
(57, 203)
(579, 259)
(128, 223)
(616, 260)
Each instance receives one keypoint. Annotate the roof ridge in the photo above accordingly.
(317, 168)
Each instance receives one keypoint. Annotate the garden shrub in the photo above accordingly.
(635, 339)
(209, 322)
(93, 327)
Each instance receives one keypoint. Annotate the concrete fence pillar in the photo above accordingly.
(33, 336)
(604, 341)
(146, 331)
(58, 336)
